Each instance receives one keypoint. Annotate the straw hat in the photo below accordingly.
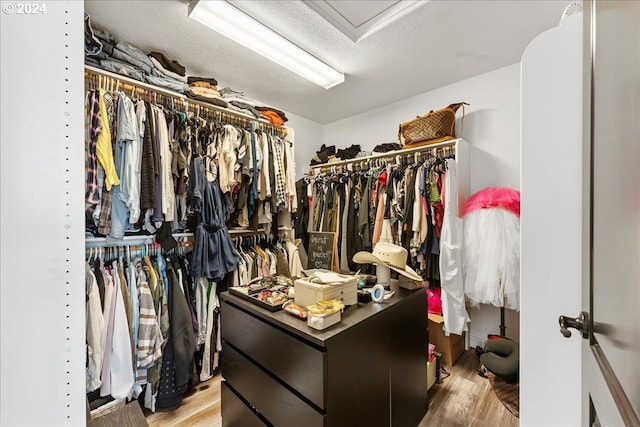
(393, 256)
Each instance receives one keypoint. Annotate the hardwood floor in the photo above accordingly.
(466, 399)
(201, 408)
(462, 399)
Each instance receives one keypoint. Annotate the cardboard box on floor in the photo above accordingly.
(451, 347)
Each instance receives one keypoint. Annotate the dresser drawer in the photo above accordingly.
(293, 361)
(275, 402)
(234, 412)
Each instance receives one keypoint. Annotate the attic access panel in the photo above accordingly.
(359, 19)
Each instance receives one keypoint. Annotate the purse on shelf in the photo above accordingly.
(435, 126)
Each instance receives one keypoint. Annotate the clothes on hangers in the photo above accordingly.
(399, 203)
(454, 310)
(149, 347)
(153, 148)
(95, 331)
(153, 324)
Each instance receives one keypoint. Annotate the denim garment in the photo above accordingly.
(91, 61)
(126, 129)
(126, 135)
(135, 53)
(92, 45)
(125, 57)
(119, 217)
(98, 56)
(119, 210)
(104, 36)
(167, 83)
(122, 68)
(107, 47)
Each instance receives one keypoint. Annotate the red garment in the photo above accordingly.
(382, 178)
(437, 211)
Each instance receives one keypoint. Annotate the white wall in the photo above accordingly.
(42, 268)
(492, 128)
(491, 124)
(308, 137)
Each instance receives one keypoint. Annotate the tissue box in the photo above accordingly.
(323, 321)
(308, 293)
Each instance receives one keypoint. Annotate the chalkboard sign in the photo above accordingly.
(320, 250)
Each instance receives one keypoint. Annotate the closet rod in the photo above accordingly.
(238, 231)
(146, 86)
(99, 242)
(389, 154)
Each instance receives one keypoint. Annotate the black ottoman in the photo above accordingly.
(502, 358)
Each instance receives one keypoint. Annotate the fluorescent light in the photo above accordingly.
(229, 21)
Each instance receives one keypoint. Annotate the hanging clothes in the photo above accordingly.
(213, 255)
(451, 278)
(117, 372)
(180, 346)
(149, 336)
(95, 331)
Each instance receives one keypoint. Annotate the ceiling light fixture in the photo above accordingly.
(229, 21)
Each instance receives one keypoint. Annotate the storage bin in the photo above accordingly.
(308, 293)
(451, 347)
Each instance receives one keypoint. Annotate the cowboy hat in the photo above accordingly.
(393, 256)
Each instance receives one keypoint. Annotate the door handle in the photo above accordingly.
(580, 323)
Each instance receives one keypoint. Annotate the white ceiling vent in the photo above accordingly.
(359, 19)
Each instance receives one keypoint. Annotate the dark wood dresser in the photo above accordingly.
(368, 370)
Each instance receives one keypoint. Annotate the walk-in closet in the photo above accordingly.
(319, 213)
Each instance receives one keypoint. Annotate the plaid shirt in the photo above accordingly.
(150, 340)
(104, 222)
(92, 195)
(278, 162)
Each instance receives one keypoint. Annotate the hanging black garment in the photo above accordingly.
(430, 248)
(148, 164)
(301, 219)
(213, 254)
(354, 242)
(177, 359)
(408, 212)
(99, 279)
(340, 209)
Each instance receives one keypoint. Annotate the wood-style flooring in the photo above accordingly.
(462, 399)
(466, 399)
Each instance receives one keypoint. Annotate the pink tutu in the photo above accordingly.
(491, 248)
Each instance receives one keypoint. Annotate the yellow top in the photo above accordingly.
(104, 151)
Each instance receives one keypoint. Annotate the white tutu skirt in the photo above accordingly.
(491, 258)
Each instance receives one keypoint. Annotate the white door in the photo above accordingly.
(611, 218)
(550, 226)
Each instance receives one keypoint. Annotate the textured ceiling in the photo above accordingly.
(438, 43)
